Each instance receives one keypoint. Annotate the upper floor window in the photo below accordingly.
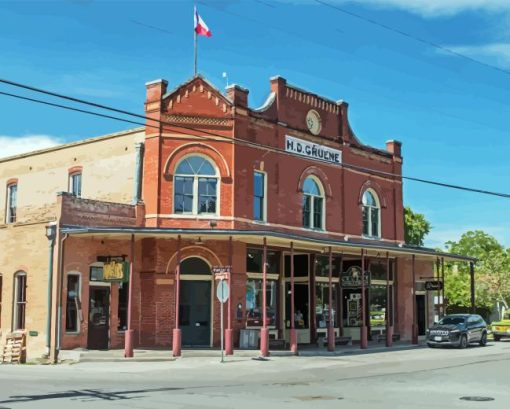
(12, 199)
(371, 214)
(313, 204)
(20, 300)
(259, 196)
(195, 186)
(75, 184)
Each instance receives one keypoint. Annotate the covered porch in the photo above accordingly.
(315, 289)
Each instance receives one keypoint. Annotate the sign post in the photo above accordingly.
(222, 293)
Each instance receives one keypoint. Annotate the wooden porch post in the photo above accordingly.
(331, 325)
(264, 331)
(176, 336)
(229, 344)
(389, 313)
(129, 334)
(363, 327)
(415, 325)
(293, 335)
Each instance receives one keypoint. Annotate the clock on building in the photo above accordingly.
(313, 121)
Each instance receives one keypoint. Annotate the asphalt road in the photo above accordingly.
(420, 378)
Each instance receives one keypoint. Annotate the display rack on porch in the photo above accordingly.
(14, 350)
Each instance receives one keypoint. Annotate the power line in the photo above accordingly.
(224, 138)
(411, 36)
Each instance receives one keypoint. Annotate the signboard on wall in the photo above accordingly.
(312, 150)
(115, 271)
(433, 285)
(352, 277)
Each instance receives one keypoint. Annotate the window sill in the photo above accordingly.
(371, 237)
(195, 216)
(72, 334)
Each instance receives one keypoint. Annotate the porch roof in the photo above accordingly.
(279, 239)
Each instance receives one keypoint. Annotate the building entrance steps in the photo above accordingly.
(162, 355)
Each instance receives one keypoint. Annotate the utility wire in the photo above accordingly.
(411, 36)
(224, 138)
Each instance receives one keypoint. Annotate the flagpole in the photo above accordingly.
(195, 53)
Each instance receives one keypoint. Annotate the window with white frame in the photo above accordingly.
(313, 204)
(20, 300)
(75, 184)
(371, 214)
(12, 200)
(195, 186)
(259, 196)
(73, 304)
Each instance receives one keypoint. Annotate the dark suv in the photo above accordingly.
(458, 330)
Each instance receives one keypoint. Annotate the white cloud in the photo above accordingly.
(426, 8)
(15, 145)
(432, 8)
(494, 53)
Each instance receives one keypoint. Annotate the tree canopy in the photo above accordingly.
(492, 272)
(416, 227)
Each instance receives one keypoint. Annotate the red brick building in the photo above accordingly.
(284, 194)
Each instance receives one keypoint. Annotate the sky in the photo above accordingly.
(450, 113)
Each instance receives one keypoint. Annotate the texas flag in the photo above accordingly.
(200, 26)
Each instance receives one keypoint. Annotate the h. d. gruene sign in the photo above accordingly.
(312, 150)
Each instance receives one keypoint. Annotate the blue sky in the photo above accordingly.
(451, 115)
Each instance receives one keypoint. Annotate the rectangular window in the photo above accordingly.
(20, 301)
(375, 222)
(122, 312)
(75, 184)
(183, 194)
(306, 210)
(254, 261)
(254, 303)
(322, 305)
(207, 195)
(259, 196)
(73, 303)
(96, 273)
(317, 212)
(1, 288)
(322, 266)
(366, 230)
(12, 199)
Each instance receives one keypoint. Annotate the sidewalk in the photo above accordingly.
(162, 355)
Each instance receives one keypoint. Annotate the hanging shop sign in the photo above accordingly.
(312, 150)
(352, 277)
(115, 271)
(433, 285)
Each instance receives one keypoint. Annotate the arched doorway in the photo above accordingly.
(195, 302)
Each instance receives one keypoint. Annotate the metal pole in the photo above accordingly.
(363, 327)
(331, 329)
(222, 304)
(264, 331)
(229, 345)
(293, 335)
(472, 274)
(443, 302)
(176, 336)
(128, 336)
(415, 326)
(438, 292)
(341, 297)
(50, 295)
(389, 327)
(195, 70)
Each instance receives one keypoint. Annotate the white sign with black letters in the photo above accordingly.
(312, 150)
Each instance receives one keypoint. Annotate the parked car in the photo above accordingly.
(458, 330)
(501, 328)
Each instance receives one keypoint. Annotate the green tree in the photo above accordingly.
(416, 227)
(492, 271)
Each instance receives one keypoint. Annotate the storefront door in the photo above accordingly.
(421, 314)
(195, 313)
(99, 318)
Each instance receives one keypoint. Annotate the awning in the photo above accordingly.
(349, 247)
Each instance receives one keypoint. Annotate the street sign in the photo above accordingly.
(222, 291)
(221, 276)
(433, 285)
(220, 269)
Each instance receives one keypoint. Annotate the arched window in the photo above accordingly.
(371, 214)
(195, 186)
(20, 300)
(313, 204)
(194, 266)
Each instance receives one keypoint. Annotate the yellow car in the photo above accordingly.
(377, 318)
(501, 328)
